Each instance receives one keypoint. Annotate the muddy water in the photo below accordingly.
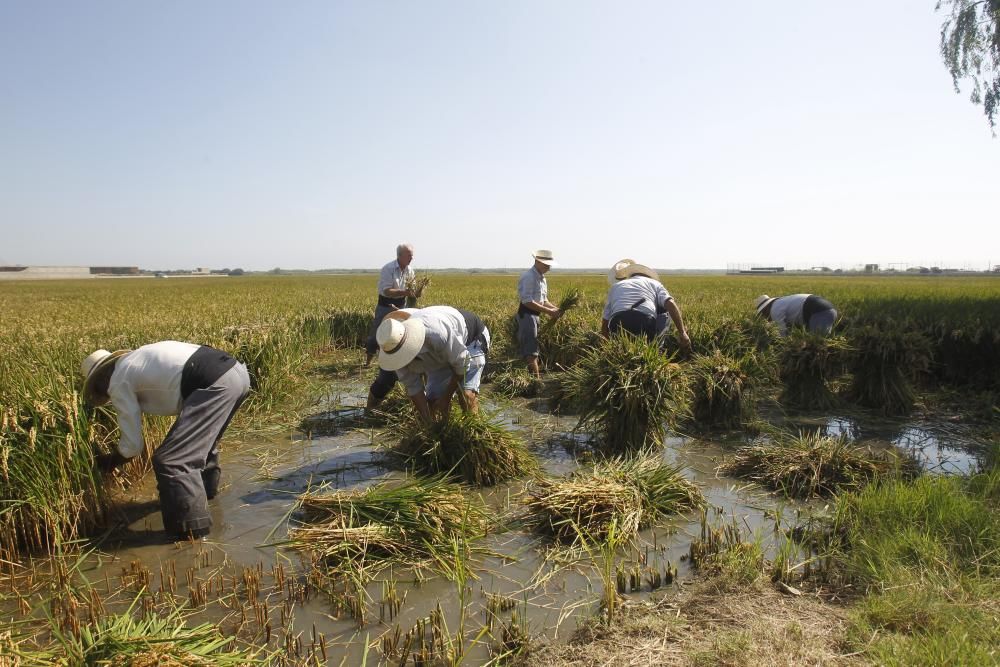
(261, 479)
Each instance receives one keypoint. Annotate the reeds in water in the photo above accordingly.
(409, 524)
(807, 365)
(628, 393)
(885, 359)
(619, 494)
(810, 465)
(470, 447)
(723, 389)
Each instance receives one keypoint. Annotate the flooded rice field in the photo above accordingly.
(245, 579)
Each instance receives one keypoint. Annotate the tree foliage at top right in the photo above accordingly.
(970, 46)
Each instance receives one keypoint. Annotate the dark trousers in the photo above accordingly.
(187, 461)
(635, 322)
(383, 384)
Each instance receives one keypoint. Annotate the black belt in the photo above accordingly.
(386, 301)
(203, 368)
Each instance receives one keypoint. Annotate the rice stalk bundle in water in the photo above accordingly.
(581, 508)
(808, 363)
(663, 488)
(885, 358)
(627, 393)
(811, 465)
(627, 493)
(515, 382)
(406, 524)
(473, 448)
(121, 640)
(724, 390)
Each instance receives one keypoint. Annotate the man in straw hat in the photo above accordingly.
(637, 303)
(533, 292)
(203, 387)
(435, 351)
(805, 310)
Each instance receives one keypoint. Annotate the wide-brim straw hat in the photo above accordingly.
(762, 302)
(399, 339)
(634, 269)
(91, 368)
(545, 257)
(617, 271)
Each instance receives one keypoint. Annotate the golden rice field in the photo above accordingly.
(276, 324)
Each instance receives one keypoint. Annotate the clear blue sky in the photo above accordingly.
(320, 134)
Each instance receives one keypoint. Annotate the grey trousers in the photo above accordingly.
(187, 461)
(371, 345)
(822, 322)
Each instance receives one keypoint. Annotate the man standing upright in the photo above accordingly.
(392, 294)
(533, 292)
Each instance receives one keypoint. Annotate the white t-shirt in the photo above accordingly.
(626, 293)
(532, 287)
(786, 311)
(394, 277)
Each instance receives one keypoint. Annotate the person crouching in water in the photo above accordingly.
(435, 351)
(202, 386)
(637, 302)
(813, 312)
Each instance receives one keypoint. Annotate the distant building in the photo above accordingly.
(871, 268)
(115, 270)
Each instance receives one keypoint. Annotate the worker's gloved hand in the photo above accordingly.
(107, 463)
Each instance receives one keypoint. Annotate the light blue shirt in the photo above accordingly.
(532, 287)
(444, 346)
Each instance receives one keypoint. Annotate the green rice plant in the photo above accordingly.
(927, 554)
(885, 359)
(628, 393)
(470, 447)
(810, 465)
(563, 342)
(724, 390)
(725, 549)
(348, 327)
(808, 363)
(359, 533)
(625, 493)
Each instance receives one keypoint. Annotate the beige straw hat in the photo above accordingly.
(90, 368)
(762, 301)
(545, 257)
(617, 271)
(399, 339)
(623, 270)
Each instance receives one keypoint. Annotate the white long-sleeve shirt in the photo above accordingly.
(444, 346)
(394, 277)
(649, 294)
(147, 380)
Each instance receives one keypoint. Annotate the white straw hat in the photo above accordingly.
(399, 339)
(90, 369)
(545, 257)
(762, 301)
